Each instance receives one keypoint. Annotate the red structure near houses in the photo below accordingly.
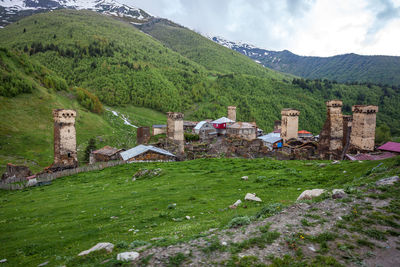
(390, 146)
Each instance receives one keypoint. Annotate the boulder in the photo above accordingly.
(338, 193)
(99, 246)
(245, 178)
(309, 194)
(128, 256)
(388, 181)
(252, 197)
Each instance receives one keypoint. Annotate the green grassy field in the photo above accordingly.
(56, 222)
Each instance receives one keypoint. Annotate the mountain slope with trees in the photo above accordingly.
(122, 66)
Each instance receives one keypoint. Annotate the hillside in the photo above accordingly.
(26, 125)
(56, 222)
(124, 66)
(346, 68)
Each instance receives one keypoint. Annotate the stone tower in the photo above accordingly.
(232, 113)
(362, 137)
(143, 135)
(277, 126)
(175, 129)
(331, 136)
(65, 156)
(347, 124)
(289, 123)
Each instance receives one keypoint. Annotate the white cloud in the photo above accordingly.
(306, 27)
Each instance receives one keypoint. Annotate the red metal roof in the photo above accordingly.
(390, 146)
(384, 155)
(304, 132)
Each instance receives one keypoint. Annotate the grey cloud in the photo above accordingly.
(385, 11)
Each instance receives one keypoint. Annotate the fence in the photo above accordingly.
(21, 183)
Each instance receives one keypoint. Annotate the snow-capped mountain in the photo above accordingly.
(11, 10)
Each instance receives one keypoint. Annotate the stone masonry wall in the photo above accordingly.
(289, 124)
(362, 137)
(232, 113)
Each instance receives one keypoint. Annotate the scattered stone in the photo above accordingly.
(335, 162)
(309, 194)
(322, 165)
(187, 217)
(99, 246)
(224, 243)
(236, 204)
(128, 256)
(308, 164)
(32, 182)
(344, 171)
(388, 181)
(113, 217)
(252, 197)
(145, 173)
(3, 260)
(133, 179)
(340, 218)
(311, 248)
(245, 178)
(43, 264)
(338, 193)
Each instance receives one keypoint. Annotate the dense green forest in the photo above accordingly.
(178, 70)
(342, 68)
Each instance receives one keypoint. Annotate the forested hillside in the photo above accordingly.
(177, 70)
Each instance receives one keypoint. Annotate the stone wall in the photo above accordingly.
(175, 129)
(152, 156)
(142, 135)
(289, 124)
(331, 136)
(65, 155)
(362, 137)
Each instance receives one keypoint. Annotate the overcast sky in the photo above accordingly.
(305, 27)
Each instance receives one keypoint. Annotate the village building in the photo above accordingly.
(277, 126)
(271, 140)
(362, 137)
(221, 124)
(305, 135)
(188, 126)
(260, 132)
(242, 130)
(205, 130)
(347, 123)
(142, 135)
(65, 154)
(175, 130)
(105, 154)
(392, 147)
(289, 124)
(147, 153)
(159, 129)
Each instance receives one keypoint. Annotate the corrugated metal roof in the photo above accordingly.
(270, 138)
(159, 126)
(391, 146)
(222, 120)
(199, 125)
(240, 125)
(140, 149)
(360, 156)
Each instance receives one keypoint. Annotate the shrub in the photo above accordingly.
(88, 100)
(239, 221)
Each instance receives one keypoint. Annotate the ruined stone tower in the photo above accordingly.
(175, 129)
(232, 113)
(289, 123)
(65, 155)
(331, 136)
(362, 137)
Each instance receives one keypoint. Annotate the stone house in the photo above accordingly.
(242, 130)
(221, 124)
(159, 129)
(104, 154)
(272, 141)
(147, 153)
(205, 130)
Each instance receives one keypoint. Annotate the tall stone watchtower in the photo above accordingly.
(362, 137)
(232, 113)
(175, 129)
(331, 136)
(289, 123)
(65, 155)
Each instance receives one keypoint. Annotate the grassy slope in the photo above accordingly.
(26, 125)
(74, 213)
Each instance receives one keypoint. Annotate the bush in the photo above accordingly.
(191, 137)
(88, 100)
(239, 221)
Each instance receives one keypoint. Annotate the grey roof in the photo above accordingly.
(269, 138)
(140, 149)
(159, 126)
(222, 120)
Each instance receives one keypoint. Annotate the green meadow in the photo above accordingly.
(55, 222)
